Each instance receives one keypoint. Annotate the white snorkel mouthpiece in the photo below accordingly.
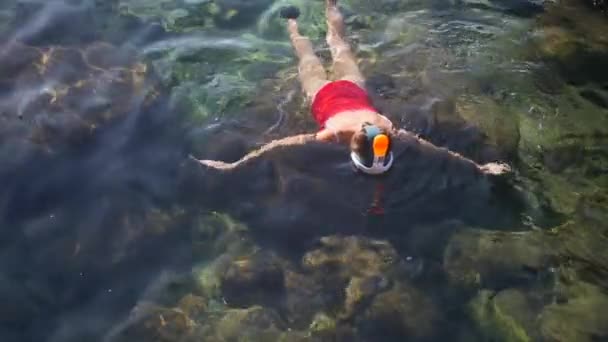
(378, 167)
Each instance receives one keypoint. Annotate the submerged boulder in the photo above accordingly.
(218, 243)
(477, 258)
(578, 50)
(507, 316)
(188, 15)
(254, 279)
(352, 256)
(304, 298)
(499, 125)
(583, 245)
(252, 324)
(401, 313)
(362, 269)
(582, 318)
(59, 95)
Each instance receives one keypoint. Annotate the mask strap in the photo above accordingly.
(377, 207)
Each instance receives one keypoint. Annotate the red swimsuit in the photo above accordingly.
(337, 97)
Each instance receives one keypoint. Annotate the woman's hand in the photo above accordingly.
(215, 164)
(496, 169)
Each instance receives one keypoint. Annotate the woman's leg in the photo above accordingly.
(344, 66)
(310, 70)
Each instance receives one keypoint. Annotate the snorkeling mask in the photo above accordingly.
(378, 159)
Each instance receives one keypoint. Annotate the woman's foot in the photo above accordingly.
(289, 12)
(335, 21)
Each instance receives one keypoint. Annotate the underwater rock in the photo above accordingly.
(252, 324)
(578, 49)
(217, 241)
(558, 43)
(207, 276)
(351, 256)
(193, 306)
(523, 8)
(304, 297)
(548, 81)
(507, 316)
(325, 328)
(401, 313)
(167, 12)
(236, 14)
(361, 269)
(219, 234)
(559, 158)
(360, 291)
(322, 322)
(477, 258)
(254, 279)
(359, 21)
(582, 245)
(389, 6)
(64, 95)
(381, 84)
(401, 35)
(570, 160)
(183, 16)
(582, 318)
(591, 209)
(499, 125)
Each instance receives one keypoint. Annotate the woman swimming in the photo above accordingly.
(342, 107)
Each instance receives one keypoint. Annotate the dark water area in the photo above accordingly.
(110, 232)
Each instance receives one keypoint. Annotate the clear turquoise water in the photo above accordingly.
(110, 233)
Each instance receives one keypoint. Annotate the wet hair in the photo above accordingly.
(362, 145)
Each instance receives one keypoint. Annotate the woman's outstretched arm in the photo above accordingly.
(301, 139)
(493, 169)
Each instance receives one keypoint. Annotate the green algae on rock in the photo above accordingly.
(251, 324)
(477, 258)
(370, 273)
(352, 256)
(217, 240)
(253, 279)
(504, 317)
(498, 124)
(582, 318)
(581, 248)
(218, 233)
(204, 87)
(402, 312)
(187, 15)
(579, 50)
